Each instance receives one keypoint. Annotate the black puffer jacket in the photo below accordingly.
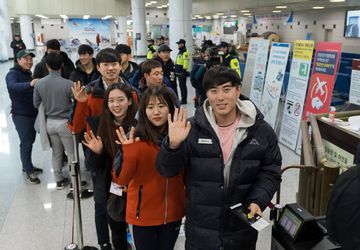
(40, 69)
(80, 75)
(254, 177)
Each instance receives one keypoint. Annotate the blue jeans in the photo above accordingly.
(25, 128)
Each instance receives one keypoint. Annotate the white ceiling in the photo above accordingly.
(200, 7)
(263, 6)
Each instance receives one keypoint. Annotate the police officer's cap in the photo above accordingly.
(181, 41)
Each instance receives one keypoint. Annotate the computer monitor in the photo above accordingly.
(352, 24)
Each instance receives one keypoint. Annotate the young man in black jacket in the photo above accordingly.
(230, 155)
(53, 46)
(85, 70)
(129, 69)
(17, 44)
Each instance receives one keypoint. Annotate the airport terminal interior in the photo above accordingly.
(299, 63)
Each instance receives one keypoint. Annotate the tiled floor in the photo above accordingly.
(38, 217)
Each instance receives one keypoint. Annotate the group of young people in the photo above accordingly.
(149, 163)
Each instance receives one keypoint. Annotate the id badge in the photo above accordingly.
(116, 189)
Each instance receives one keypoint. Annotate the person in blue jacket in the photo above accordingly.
(20, 86)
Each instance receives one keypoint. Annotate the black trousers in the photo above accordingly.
(102, 223)
(183, 88)
(161, 237)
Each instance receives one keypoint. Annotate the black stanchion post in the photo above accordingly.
(76, 218)
(84, 193)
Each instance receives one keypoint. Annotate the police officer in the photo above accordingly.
(230, 59)
(151, 49)
(163, 57)
(182, 68)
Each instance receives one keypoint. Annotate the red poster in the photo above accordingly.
(325, 67)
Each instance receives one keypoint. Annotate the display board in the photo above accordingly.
(89, 31)
(354, 96)
(275, 18)
(249, 66)
(279, 54)
(257, 82)
(322, 80)
(296, 92)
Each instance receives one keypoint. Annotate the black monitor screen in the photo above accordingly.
(352, 24)
(230, 27)
(290, 222)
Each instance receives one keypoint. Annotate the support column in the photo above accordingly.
(5, 32)
(180, 21)
(121, 37)
(27, 31)
(139, 27)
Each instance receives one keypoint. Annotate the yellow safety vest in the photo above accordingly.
(150, 53)
(234, 64)
(183, 59)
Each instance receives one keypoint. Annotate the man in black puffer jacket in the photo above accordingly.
(230, 155)
(85, 71)
(53, 46)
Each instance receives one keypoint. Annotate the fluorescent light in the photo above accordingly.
(233, 16)
(11, 18)
(337, 1)
(215, 16)
(220, 13)
(318, 7)
(281, 7)
(47, 206)
(86, 17)
(208, 17)
(247, 14)
(106, 17)
(276, 11)
(159, 7)
(152, 2)
(245, 11)
(51, 185)
(223, 16)
(64, 16)
(42, 16)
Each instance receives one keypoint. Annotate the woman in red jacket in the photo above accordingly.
(155, 205)
(119, 109)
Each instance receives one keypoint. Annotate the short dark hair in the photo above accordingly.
(108, 55)
(217, 76)
(123, 49)
(53, 44)
(148, 65)
(54, 61)
(146, 130)
(85, 48)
